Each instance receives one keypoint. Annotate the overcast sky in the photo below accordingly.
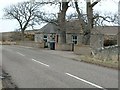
(105, 6)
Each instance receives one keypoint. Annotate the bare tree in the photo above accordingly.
(99, 19)
(60, 21)
(25, 13)
(87, 21)
(87, 26)
(92, 19)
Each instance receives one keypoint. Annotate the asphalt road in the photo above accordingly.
(36, 68)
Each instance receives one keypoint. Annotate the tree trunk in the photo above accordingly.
(63, 28)
(90, 15)
(86, 28)
(63, 37)
(87, 32)
(22, 36)
(62, 22)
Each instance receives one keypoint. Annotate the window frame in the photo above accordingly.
(75, 39)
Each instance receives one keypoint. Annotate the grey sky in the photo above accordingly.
(105, 6)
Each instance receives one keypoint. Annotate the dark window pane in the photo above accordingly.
(74, 39)
(75, 42)
(45, 36)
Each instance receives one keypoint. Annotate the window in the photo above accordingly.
(57, 38)
(45, 38)
(74, 39)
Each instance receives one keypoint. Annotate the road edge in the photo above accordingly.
(7, 82)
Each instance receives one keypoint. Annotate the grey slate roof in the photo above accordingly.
(49, 28)
(106, 30)
(72, 27)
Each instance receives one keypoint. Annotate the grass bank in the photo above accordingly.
(105, 63)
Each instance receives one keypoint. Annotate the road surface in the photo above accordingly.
(37, 68)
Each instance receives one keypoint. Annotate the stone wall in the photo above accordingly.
(108, 53)
(7, 36)
(64, 47)
(68, 38)
(82, 50)
(8, 43)
(96, 41)
(31, 44)
(38, 37)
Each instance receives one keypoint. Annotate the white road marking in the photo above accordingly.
(20, 54)
(41, 63)
(83, 80)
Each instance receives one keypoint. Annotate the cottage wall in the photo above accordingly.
(69, 38)
(39, 38)
(80, 38)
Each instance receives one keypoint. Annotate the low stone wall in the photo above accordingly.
(108, 53)
(31, 44)
(82, 50)
(41, 45)
(64, 47)
(8, 43)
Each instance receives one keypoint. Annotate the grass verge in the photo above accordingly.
(104, 63)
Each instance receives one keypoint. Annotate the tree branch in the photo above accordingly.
(94, 3)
